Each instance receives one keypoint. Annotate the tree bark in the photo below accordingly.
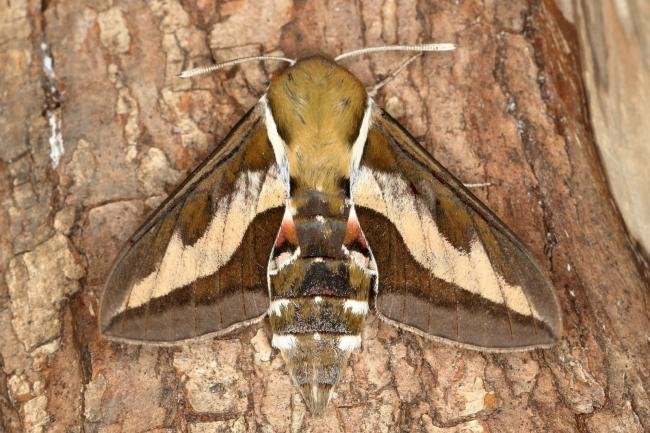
(615, 46)
(93, 143)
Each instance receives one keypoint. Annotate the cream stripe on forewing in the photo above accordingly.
(390, 195)
(274, 191)
(486, 275)
(367, 188)
(183, 264)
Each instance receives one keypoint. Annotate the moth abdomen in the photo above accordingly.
(315, 362)
(317, 314)
(316, 335)
(319, 300)
(316, 276)
(321, 236)
(314, 204)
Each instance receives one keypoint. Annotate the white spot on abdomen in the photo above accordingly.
(277, 305)
(348, 343)
(356, 307)
(284, 342)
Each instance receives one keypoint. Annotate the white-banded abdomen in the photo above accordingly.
(316, 335)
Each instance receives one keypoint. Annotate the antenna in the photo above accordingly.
(207, 69)
(420, 47)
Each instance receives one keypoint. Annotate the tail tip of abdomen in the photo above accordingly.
(316, 397)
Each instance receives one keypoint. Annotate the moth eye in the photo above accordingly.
(292, 183)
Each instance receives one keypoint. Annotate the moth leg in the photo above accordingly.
(372, 91)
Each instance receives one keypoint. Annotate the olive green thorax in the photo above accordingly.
(318, 108)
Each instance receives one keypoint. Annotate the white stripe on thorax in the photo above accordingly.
(360, 142)
(278, 144)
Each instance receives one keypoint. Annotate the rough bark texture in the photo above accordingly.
(507, 108)
(615, 45)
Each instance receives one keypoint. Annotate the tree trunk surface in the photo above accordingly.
(96, 129)
(615, 46)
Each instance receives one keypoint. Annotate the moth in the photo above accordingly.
(316, 209)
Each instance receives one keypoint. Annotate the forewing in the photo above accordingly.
(198, 265)
(447, 266)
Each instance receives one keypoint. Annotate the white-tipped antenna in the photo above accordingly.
(421, 47)
(207, 69)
